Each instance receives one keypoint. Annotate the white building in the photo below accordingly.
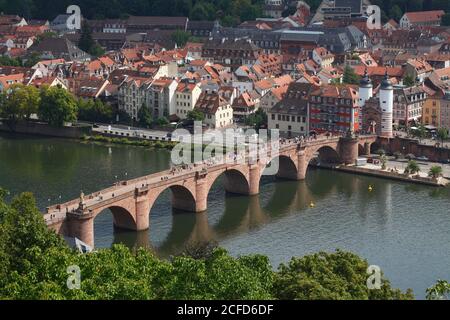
(156, 94)
(217, 110)
(290, 115)
(187, 94)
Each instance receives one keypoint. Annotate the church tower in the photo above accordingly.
(386, 97)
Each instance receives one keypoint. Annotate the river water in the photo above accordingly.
(403, 228)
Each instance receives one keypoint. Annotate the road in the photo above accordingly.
(429, 142)
(424, 165)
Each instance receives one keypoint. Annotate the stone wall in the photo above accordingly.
(406, 146)
(43, 129)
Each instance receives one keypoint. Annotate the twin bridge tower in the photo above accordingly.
(131, 201)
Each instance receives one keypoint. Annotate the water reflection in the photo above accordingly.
(231, 215)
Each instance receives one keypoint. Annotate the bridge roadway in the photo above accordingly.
(126, 196)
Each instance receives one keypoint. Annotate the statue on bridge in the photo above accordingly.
(82, 203)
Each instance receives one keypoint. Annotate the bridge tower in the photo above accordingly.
(386, 104)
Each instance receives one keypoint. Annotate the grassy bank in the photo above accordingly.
(125, 141)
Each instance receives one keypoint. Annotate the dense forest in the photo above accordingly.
(229, 11)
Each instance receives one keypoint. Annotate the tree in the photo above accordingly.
(94, 111)
(408, 80)
(446, 20)
(440, 291)
(19, 103)
(395, 13)
(350, 77)
(412, 167)
(162, 122)
(145, 116)
(435, 172)
(7, 61)
(57, 106)
(195, 115)
(257, 120)
(86, 42)
(442, 134)
(323, 276)
(180, 37)
(420, 132)
(414, 5)
(383, 160)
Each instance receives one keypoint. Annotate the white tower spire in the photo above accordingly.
(387, 105)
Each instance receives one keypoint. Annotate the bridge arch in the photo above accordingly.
(287, 167)
(182, 196)
(327, 154)
(235, 180)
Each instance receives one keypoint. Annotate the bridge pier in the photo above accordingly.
(201, 194)
(142, 213)
(82, 227)
(302, 165)
(348, 150)
(254, 178)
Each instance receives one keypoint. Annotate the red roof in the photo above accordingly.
(423, 16)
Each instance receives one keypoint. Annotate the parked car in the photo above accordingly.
(423, 158)
(446, 161)
(373, 161)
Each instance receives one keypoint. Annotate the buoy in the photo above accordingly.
(312, 205)
(370, 188)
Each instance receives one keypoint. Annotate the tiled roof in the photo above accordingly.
(424, 16)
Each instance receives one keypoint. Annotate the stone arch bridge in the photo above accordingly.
(131, 201)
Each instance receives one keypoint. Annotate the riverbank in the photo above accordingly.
(386, 174)
(36, 128)
(169, 145)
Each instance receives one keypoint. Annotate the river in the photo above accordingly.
(403, 228)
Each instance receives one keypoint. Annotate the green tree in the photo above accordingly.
(435, 172)
(57, 106)
(180, 37)
(19, 103)
(420, 133)
(442, 134)
(86, 42)
(446, 19)
(408, 80)
(145, 116)
(412, 167)
(350, 77)
(7, 61)
(330, 276)
(383, 160)
(94, 110)
(257, 120)
(162, 122)
(439, 291)
(395, 13)
(414, 5)
(195, 115)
